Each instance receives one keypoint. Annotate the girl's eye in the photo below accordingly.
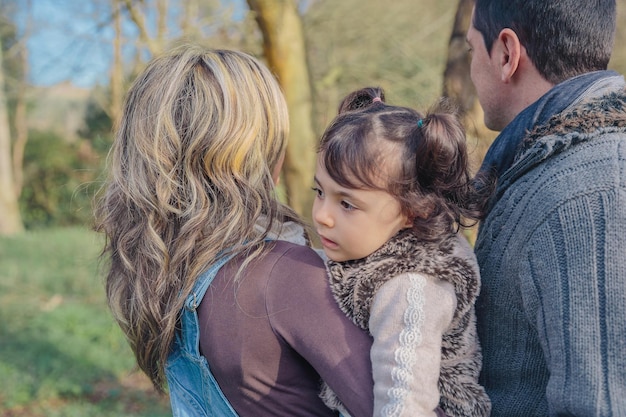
(318, 192)
(347, 206)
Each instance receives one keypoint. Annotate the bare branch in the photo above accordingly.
(138, 18)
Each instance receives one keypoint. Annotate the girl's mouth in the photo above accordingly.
(327, 243)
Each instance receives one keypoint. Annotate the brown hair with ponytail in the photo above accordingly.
(420, 159)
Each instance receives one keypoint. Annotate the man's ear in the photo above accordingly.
(510, 50)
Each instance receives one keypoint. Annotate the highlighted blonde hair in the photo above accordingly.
(190, 174)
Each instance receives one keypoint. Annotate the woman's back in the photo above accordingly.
(197, 154)
(269, 334)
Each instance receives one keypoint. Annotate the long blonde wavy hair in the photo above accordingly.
(190, 174)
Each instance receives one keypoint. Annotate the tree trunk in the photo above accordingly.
(20, 119)
(10, 219)
(284, 46)
(117, 69)
(458, 86)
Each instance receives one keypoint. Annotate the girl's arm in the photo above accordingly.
(408, 318)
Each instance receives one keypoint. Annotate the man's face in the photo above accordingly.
(486, 76)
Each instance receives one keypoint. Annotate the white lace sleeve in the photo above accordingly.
(408, 317)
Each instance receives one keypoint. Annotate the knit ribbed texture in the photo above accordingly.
(552, 309)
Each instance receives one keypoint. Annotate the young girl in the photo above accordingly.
(393, 189)
(208, 276)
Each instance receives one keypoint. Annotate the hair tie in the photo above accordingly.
(420, 123)
(377, 99)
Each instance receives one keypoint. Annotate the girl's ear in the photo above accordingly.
(408, 222)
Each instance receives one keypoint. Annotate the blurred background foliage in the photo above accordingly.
(401, 46)
(349, 44)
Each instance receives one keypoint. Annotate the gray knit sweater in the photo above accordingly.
(552, 251)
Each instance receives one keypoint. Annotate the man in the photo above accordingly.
(552, 249)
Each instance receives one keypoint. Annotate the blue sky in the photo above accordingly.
(71, 40)
(67, 43)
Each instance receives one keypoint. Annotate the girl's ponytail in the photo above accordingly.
(420, 159)
(442, 168)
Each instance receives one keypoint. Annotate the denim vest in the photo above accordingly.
(193, 390)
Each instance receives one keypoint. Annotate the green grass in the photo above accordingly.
(61, 354)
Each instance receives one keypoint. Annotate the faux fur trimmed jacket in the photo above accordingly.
(355, 284)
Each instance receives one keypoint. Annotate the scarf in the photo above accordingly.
(501, 154)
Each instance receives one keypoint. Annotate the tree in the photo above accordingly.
(285, 51)
(10, 219)
(155, 44)
(20, 120)
(458, 86)
(117, 68)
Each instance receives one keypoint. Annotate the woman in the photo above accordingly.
(208, 275)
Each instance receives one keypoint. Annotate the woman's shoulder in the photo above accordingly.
(288, 255)
(296, 278)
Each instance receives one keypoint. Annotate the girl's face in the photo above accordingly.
(353, 223)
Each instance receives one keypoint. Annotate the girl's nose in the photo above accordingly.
(321, 214)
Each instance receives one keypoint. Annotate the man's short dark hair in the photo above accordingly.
(563, 38)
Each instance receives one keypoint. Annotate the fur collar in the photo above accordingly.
(354, 283)
(582, 123)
